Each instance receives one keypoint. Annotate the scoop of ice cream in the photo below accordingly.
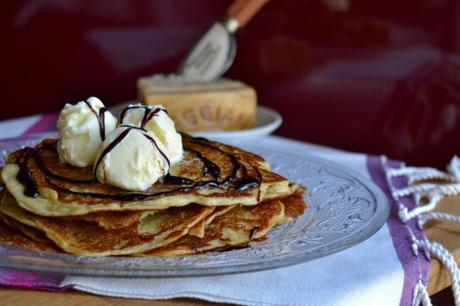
(131, 159)
(82, 128)
(155, 120)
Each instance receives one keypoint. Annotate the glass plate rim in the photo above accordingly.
(379, 219)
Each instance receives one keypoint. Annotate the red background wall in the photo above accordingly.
(382, 76)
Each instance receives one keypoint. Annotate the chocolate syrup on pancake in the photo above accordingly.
(24, 176)
(211, 169)
(38, 159)
(171, 179)
(246, 182)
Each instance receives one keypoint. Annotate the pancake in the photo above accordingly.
(294, 206)
(30, 232)
(237, 227)
(210, 174)
(151, 229)
(199, 228)
(11, 236)
(111, 219)
(217, 197)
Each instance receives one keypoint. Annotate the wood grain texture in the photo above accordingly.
(244, 10)
(448, 234)
(13, 297)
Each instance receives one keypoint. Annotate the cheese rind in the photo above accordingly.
(221, 105)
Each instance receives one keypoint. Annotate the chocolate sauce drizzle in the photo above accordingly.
(210, 168)
(38, 159)
(100, 119)
(232, 181)
(178, 180)
(110, 147)
(122, 136)
(24, 175)
(159, 150)
(149, 113)
(150, 138)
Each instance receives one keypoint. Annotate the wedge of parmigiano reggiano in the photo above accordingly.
(221, 105)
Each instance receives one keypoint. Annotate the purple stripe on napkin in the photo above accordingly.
(415, 267)
(47, 123)
(30, 280)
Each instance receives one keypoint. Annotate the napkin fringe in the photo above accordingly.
(429, 187)
(421, 295)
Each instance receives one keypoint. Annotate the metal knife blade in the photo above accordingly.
(211, 56)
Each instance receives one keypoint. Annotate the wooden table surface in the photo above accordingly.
(446, 233)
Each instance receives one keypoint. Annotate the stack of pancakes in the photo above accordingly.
(217, 197)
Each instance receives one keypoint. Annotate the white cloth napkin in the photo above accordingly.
(369, 273)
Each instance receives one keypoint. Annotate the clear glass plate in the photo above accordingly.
(344, 209)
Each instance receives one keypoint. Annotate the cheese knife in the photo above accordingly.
(214, 53)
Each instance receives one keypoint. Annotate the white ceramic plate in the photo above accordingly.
(267, 121)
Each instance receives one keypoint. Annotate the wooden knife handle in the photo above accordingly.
(244, 10)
